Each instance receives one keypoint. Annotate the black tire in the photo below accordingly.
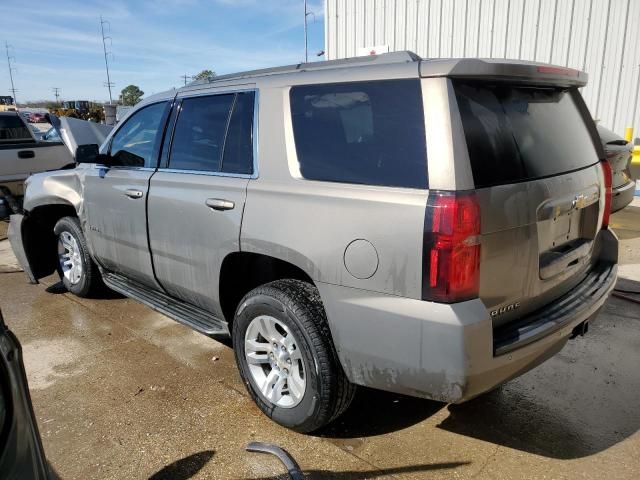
(90, 282)
(297, 305)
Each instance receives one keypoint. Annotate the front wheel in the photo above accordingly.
(286, 357)
(78, 272)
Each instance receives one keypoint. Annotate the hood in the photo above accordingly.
(74, 132)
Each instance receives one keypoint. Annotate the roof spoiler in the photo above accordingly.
(513, 71)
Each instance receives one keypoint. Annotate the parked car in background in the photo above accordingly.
(37, 117)
(619, 153)
(25, 115)
(428, 227)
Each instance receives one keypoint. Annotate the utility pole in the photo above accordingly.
(306, 41)
(185, 77)
(106, 62)
(306, 38)
(11, 69)
(56, 92)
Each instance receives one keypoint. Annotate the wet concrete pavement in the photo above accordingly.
(123, 392)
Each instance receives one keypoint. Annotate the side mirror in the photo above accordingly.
(90, 154)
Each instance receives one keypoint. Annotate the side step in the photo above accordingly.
(180, 311)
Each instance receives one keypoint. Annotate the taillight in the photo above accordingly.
(451, 250)
(606, 171)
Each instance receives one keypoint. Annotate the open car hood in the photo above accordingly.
(74, 132)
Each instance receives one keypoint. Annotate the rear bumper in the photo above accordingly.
(622, 196)
(448, 352)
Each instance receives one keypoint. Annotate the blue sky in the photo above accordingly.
(58, 44)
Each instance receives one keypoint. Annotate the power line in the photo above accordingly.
(11, 69)
(185, 77)
(56, 92)
(109, 83)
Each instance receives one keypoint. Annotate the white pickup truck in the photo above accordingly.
(21, 154)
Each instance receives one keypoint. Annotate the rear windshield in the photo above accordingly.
(516, 134)
(13, 130)
(368, 133)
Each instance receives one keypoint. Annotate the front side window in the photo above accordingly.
(198, 139)
(368, 133)
(135, 143)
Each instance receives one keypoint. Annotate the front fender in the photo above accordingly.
(48, 197)
(60, 187)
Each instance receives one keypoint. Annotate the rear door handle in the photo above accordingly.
(219, 204)
(132, 193)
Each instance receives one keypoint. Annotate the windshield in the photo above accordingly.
(52, 135)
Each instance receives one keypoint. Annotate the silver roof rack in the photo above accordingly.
(384, 58)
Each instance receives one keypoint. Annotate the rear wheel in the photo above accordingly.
(286, 357)
(78, 272)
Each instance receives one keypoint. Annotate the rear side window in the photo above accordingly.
(198, 139)
(517, 134)
(13, 130)
(368, 133)
(238, 147)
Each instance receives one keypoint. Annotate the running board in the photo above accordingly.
(194, 317)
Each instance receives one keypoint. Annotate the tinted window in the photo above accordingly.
(363, 132)
(134, 144)
(238, 147)
(198, 139)
(520, 133)
(13, 129)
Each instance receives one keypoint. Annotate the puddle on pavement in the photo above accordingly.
(181, 343)
(46, 361)
(348, 444)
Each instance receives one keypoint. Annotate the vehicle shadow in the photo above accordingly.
(505, 418)
(374, 412)
(581, 402)
(103, 294)
(382, 472)
(184, 468)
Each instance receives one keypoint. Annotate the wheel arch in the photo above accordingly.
(241, 272)
(39, 239)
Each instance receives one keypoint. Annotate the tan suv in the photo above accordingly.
(429, 227)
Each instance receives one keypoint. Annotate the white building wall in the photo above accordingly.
(601, 37)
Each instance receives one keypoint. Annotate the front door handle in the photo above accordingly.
(132, 193)
(219, 204)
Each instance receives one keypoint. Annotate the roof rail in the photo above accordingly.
(384, 58)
